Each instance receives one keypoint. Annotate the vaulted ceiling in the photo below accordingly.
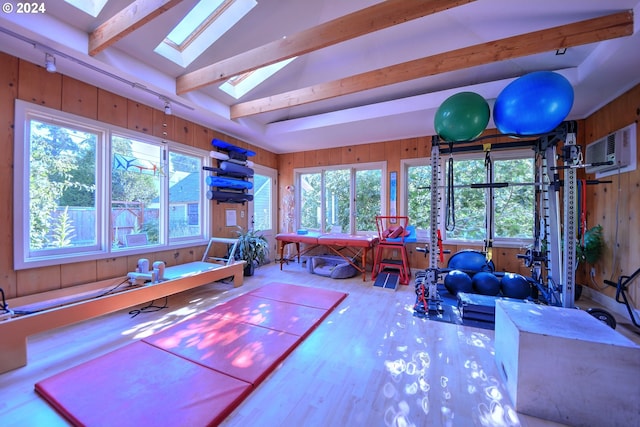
(364, 70)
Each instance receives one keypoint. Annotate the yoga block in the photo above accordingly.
(564, 365)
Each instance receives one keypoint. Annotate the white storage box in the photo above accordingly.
(564, 365)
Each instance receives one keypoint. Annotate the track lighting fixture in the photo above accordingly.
(50, 63)
(167, 108)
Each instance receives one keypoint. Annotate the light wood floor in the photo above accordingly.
(370, 363)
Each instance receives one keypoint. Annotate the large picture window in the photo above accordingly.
(84, 190)
(513, 205)
(340, 199)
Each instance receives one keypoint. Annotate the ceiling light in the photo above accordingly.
(167, 108)
(50, 63)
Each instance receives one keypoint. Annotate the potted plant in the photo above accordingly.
(253, 248)
(591, 248)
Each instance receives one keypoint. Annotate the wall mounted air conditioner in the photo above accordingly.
(615, 147)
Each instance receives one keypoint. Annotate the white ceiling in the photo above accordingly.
(599, 72)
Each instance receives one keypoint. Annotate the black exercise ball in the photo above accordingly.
(458, 281)
(515, 286)
(486, 283)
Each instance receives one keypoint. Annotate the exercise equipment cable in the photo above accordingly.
(450, 221)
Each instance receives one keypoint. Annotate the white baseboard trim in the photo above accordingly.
(608, 302)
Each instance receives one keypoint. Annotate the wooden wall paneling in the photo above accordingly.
(78, 273)
(183, 131)
(618, 199)
(393, 154)
(8, 93)
(179, 256)
(285, 169)
(423, 147)
(139, 117)
(38, 86)
(163, 125)
(377, 152)
(79, 98)
(265, 158)
(112, 108)
(111, 267)
(36, 280)
(633, 231)
(348, 154)
(202, 137)
(363, 153)
(409, 148)
(505, 259)
(323, 158)
(299, 160)
(310, 158)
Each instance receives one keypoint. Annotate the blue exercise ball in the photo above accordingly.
(458, 281)
(515, 286)
(533, 104)
(485, 283)
(470, 262)
(462, 117)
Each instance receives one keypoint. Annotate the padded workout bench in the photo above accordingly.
(15, 331)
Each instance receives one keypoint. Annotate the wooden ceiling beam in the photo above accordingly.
(126, 21)
(575, 34)
(377, 17)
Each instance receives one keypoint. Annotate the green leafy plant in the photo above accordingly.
(593, 246)
(252, 247)
(63, 230)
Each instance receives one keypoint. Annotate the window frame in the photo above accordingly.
(353, 168)
(423, 234)
(25, 112)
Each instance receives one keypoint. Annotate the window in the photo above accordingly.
(61, 197)
(185, 196)
(135, 191)
(240, 85)
(262, 202)
(205, 23)
(513, 205)
(92, 7)
(310, 200)
(341, 199)
(418, 179)
(84, 190)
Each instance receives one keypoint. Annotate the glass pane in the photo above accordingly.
(419, 196)
(310, 185)
(62, 187)
(514, 205)
(337, 184)
(262, 202)
(368, 204)
(469, 202)
(135, 193)
(185, 189)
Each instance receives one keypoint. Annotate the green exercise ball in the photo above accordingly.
(462, 117)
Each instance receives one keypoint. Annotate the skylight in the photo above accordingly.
(92, 7)
(201, 27)
(238, 86)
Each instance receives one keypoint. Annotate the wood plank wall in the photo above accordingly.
(29, 82)
(616, 206)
